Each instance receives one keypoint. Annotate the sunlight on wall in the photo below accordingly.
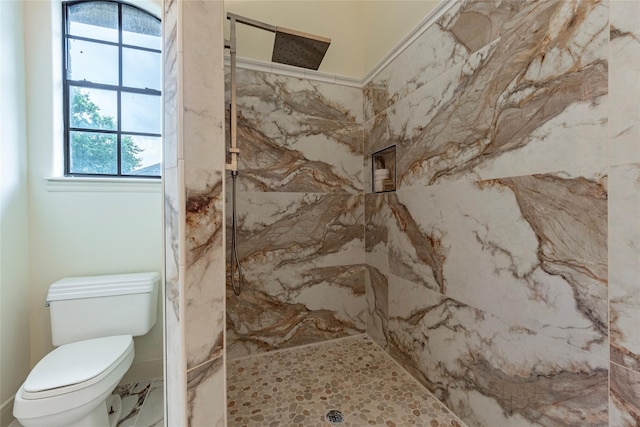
(14, 235)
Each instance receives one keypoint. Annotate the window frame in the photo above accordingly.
(119, 89)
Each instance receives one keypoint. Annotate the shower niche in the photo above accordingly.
(383, 170)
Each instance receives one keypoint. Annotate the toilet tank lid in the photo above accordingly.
(101, 286)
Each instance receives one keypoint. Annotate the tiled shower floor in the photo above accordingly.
(297, 387)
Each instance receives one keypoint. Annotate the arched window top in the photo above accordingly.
(100, 20)
(112, 82)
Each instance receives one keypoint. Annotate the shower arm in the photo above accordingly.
(291, 47)
(231, 45)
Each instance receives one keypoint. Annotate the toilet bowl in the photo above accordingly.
(93, 320)
(72, 382)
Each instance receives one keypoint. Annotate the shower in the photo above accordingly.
(290, 47)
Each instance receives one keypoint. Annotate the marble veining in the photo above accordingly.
(491, 373)
(624, 80)
(509, 251)
(537, 241)
(464, 29)
(205, 393)
(172, 203)
(298, 136)
(194, 206)
(625, 397)
(547, 72)
(624, 240)
(276, 230)
(503, 271)
(377, 291)
(300, 214)
(258, 322)
(302, 256)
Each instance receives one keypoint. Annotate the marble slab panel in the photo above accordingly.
(464, 29)
(533, 101)
(624, 82)
(297, 135)
(377, 292)
(205, 266)
(377, 216)
(538, 243)
(265, 92)
(172, 247)
(170, 94)
(206, 394)
(201, 115)
(624, 265)
(176, 370)
(412, 114)
(268, 314)
(624, 401)
(488, 372)
(174, 359)
(278, 231)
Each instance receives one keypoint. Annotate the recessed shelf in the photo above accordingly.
(383, 170)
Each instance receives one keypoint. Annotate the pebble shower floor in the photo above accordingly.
(300, 386)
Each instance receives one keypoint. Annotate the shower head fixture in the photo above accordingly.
(299, 49)
(291, 47)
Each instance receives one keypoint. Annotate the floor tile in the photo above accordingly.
(300, 386)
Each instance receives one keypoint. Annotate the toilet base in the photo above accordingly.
(96, 418)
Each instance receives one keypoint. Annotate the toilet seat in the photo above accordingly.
(56, 406)
(75, 366)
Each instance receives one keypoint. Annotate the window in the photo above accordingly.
(112, 82)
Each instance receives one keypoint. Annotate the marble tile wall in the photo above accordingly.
(194, 211)
(300, 212)
(504, 271)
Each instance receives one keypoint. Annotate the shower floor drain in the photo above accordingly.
(335, 417)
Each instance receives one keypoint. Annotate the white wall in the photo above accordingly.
(362, 32)
(14, 234)
(75, 233)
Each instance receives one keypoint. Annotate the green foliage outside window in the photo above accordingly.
(96, 153)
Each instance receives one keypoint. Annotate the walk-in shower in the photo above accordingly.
(290, 47)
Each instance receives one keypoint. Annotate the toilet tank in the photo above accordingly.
(98, 306)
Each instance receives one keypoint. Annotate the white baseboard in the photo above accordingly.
(144, 370)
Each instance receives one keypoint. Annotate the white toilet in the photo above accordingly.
(93, 320)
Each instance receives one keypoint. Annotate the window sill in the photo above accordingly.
(115, 185)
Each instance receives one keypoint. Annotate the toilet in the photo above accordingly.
(93, 322)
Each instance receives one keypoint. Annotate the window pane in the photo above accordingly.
(140, 113)
(141, 155)
(93, 108)
(141, 69)
(94, 62)
(97, 19)
(140, 28)
(94, 153)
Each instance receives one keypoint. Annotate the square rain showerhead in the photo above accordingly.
(299, 49)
